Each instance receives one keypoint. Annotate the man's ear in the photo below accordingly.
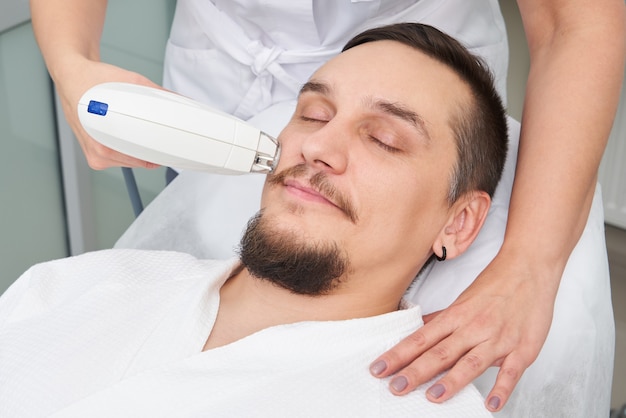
(467, 216)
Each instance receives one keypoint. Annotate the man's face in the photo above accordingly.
(367, 158)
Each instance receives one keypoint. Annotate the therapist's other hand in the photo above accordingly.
(502, 320)
(71, 85)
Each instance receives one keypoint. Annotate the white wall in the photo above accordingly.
(32, 221)
(612, 173)
(519, 61)
(12, 13)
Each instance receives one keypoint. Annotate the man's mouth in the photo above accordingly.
(317, 188)
(307, 193)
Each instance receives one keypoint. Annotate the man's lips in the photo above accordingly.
(315, 188)
(308, 193)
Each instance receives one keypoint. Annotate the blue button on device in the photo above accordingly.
(97, 108)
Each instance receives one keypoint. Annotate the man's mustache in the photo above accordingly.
(320, 183)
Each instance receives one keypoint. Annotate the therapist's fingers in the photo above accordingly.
(511, 371)
(470, 366)
(464, 350)
(493, 323)
(82, 75)
(100, 157)
(406, 352)
(459, 351)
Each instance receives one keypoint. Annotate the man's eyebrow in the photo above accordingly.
(396, 110)
(315, 87)
(402, 112)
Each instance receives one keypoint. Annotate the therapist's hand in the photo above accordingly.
(77, 78)
(502, 320)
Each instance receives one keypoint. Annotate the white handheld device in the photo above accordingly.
(171, 130)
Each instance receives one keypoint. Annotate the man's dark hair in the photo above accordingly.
(480, 128)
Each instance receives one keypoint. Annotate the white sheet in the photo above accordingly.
(119, 333)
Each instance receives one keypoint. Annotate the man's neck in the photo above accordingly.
(249, 304)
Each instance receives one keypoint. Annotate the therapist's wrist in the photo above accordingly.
(68, 68)
(532, 262)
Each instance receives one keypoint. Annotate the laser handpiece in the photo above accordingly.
(172, 130)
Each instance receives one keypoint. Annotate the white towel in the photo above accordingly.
(120, 333)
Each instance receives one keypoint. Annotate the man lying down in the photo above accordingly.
(389, 160)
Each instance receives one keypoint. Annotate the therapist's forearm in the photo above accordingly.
(68, 33)
(572, 95)
(67, 30)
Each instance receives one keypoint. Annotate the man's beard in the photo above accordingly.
(291, 261)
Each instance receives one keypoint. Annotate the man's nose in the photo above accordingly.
(328, 147)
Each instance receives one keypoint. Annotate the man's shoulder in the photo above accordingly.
(123, 272)
(134, 263)
(121, 264)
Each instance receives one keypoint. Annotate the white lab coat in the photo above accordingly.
(262, 52)
(253, 65)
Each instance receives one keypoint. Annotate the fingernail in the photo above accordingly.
(378, 367)
(399, 383)
(437, 390)
(494, 402)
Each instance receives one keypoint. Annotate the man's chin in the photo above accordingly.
(280, 252)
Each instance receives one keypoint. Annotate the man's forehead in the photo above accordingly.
(387, 66)
(397, 73)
